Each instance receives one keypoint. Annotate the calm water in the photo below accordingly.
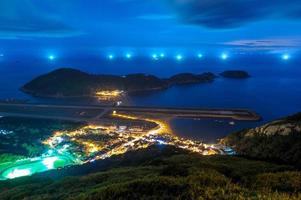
(273, 91)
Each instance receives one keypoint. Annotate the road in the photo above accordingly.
(94, 112)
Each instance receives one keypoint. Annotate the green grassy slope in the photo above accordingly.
(166, 173)
(277, 141)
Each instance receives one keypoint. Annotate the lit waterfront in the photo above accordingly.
(100, 141)
(96, 142)
(106, 95)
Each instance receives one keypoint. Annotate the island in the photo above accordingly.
(235, 74)
(67, 82)
(188, 78)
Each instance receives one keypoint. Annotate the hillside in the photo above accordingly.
(278, 141)
(185, 78)
(166, 172)
(162, 173)
(68, 82)
(235, 74)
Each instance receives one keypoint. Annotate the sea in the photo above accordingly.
(273, 90)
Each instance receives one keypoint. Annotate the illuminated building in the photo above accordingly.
(49, 162)
(93, 142)
(109, 94)
(18, 173)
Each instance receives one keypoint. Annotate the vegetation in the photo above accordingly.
(278, 141)
(165, 173)
(8, 157)
(235, 74)
(186, 78)
(24, 136)
(70, 82)
(293, 118)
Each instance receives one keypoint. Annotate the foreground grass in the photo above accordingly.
(179, 175)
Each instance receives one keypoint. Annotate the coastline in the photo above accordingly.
(78, 84)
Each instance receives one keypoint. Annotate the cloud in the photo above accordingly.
(275, 44)
(19, 19)
(156, 17)
(235, 13)
(266, 43)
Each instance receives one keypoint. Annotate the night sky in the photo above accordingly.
(91, 25)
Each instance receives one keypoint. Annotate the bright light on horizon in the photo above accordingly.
(200, 55)
(224, 56)
(155, 56)
(159, 56)
(179, 57)
(286, 56)
(51, 57)
(128, 55)
(111, 56)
